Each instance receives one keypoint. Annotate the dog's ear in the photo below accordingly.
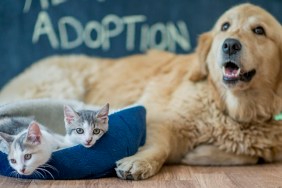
(198, 67)
(279, 81)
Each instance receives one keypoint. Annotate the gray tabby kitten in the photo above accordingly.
(28, 144)
(85, 127)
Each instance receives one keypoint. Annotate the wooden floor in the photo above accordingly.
(264, 176)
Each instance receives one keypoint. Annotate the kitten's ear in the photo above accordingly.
(5, 142)
(34, 134)
(103, 113)
(69, 114)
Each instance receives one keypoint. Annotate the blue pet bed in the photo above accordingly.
(126, 133)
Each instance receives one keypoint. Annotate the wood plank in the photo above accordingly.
(209, 177)
(257, 176)
(261, 176)
(173, 172)
(13, 182)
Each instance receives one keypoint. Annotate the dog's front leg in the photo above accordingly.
(150, 158)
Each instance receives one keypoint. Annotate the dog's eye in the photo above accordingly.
(259, 30)
(225, 26)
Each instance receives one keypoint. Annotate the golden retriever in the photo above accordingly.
(212, 107)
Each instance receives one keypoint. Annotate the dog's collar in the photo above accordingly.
(278, 117)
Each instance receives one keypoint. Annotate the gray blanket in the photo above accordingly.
(48, 112)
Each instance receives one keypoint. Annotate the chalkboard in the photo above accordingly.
(34, 29)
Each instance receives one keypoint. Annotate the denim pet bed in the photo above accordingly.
(126, 133)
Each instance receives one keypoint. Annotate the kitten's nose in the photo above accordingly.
(88, 141)
(23, 170)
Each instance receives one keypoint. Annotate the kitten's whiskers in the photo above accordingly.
(13, 173)
(50, 166)
(39, 174)
(44, 170)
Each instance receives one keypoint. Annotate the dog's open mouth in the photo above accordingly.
(232, 73)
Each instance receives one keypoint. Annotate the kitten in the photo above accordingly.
(30, 149)
(85, 127)
(12, 126)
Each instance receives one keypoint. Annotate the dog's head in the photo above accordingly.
(243, 51)
(246, 48)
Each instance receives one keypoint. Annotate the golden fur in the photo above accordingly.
(193, 118)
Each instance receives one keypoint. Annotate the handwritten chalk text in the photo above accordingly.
(100, 34)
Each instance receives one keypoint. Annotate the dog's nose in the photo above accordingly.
(231, 46)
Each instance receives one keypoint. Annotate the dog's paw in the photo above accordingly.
(131, 168)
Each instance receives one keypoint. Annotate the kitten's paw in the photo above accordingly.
(132, 168)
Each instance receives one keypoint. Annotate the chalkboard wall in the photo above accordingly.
(34, 29)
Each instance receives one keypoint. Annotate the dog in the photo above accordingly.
(211, 107)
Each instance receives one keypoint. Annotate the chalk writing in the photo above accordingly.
(170, 34)
(43, 26)
(43, 3)
(95, 34)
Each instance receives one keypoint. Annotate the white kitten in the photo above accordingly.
(31, 148)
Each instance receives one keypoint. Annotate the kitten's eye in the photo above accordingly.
(259, 30)
(225, 26)
(96, 131)
(27, 156)
(13, 161)
(79, 131)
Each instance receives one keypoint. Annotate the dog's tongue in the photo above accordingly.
(231, 72)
